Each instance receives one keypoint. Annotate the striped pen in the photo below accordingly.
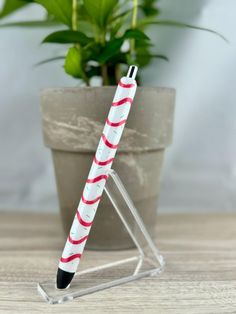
(97, 177)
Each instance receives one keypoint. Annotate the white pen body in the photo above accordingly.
(95, 183)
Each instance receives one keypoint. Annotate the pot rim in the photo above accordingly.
(74, 89)
(59, 134)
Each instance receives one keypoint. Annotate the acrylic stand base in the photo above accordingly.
(142, 262)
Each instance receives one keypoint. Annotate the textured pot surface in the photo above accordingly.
(73, 120)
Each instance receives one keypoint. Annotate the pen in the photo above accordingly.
(97, 177)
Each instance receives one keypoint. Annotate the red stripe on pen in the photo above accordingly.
(90, 202)
(70, 258)
(98, 178)
(77, 241)
(82, 222)
(107, 143)
(103, 163)
(122, 101)
(115, 123)
(126, 85)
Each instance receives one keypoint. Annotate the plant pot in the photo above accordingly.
(73, 120)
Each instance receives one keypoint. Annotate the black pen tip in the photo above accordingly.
(63, 278)
(132, 72)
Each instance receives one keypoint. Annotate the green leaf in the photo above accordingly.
(40, 23)
(145, 21)
(184, 25)
(144, 59)
(135, 34)
(149, 7)
(165, 58)
(100, 10)
(10, 6)
(60, 9)
(118, 58)
(50, 60)
(143, 44)
(112, 48)
(73, 63)
(116, 26)
(92, 71)
(68, 37)
(122, 15)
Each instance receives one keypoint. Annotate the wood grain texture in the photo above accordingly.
(200, 276)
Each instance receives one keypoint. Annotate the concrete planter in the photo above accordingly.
(73, 120)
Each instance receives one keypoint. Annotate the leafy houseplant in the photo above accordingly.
(105, 36)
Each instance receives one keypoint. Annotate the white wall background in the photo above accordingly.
(200, 167)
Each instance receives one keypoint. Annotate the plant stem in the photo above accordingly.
(105, 79)
(117, 73)
(74, 24)
(74, 15)
(133, 25)
(104, 70)
(134, 14)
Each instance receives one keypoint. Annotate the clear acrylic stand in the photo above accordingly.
(144, 261)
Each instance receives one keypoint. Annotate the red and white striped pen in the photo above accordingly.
(97, 177)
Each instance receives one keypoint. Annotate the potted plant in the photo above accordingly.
(104, 37)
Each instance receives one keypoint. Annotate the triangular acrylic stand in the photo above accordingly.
(144, 261)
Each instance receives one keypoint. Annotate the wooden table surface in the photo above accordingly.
(200, 275)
